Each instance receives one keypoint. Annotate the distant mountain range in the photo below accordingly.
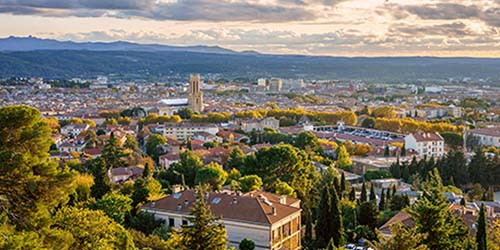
(32, 43)
(55, 59)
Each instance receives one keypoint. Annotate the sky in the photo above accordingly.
(312, 27)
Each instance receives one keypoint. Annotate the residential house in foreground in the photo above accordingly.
(425, 144)
(269, 220)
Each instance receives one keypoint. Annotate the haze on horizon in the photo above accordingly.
(311, 27)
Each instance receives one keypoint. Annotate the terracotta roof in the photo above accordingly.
(487, 131)
(401, 217)
(131, 171)
(427, 137)
(253, 207)
(92, 151)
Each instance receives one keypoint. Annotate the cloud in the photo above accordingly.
(485, 11)
(204, 10)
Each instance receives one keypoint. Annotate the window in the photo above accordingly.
(177, 195)
(216, 200)
(171, 222)
(184, 222)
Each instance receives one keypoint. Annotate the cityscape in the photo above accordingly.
(119, 135)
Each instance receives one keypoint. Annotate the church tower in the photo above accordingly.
(195, 94)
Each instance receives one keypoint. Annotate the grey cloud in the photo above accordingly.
(451, 30)
(489, 14)
(211, 10)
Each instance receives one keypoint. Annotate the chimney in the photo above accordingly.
(179, 207)
(235, 201)
(283, 199)
(186, 202)
(274, 211)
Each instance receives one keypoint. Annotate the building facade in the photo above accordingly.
(425, 144)
(269, 220)
(185, 130)
(487, 136)
(260, 124)
(195, 93)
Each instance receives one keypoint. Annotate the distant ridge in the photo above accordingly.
(30, 43)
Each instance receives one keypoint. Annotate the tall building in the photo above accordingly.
(195, 95)
(275, 85)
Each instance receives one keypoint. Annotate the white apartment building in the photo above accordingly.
(74, 129)
(185, 130)
(487, 136)
(269, 220)
(425, 144)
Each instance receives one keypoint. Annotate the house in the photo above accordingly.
(487, 136)
(118, 175)
(74, 129)
(93, 152)
(237, 137)
(207, 137)
(167, 160)
(260, 124)
(71, 147)
(425, 144)
(269, 220)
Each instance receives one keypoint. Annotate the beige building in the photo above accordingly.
(425, 144)
(269, 220)
(487, 136)
(275, 85)
(185, 130)
(195, 95)
(260, 124)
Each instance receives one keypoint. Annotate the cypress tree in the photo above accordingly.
(329, 225)
(363, 197)
(393, 190)
(343, 184)
(490, 196)
(396, 171)
(381, 204)
(352, 195)
(403, 150)
(102, 184)
(388, 195)
(323, 224)
(481, 230)
(146, 172)
(406, 172)
(387, 152)
(373, 196)
(462, 201)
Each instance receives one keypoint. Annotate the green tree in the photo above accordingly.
(381, 204)
(102, 184)
(352, 195)
(403, 151)
(187, 167)
(204, 232)
(363, 197)
(153, 145)
(131, 143)
(368, 122)
(368, 214)
(250, 183)
(144, 190)
(431, 215)
(307, 141)
(185, 113)
(115, 206)
(402, 238)
(343, 159)
(31, 185)
(481, 238)
(212, 174)
(90, 229)
(247, 244)
(329, 223)
(387, 152)
(343, 184)
(236, 159)
(282, 188)
(373, 196)
(146, 173)
(113, 154)
(145, 222)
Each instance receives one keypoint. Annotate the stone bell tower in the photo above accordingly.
(195, 94)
